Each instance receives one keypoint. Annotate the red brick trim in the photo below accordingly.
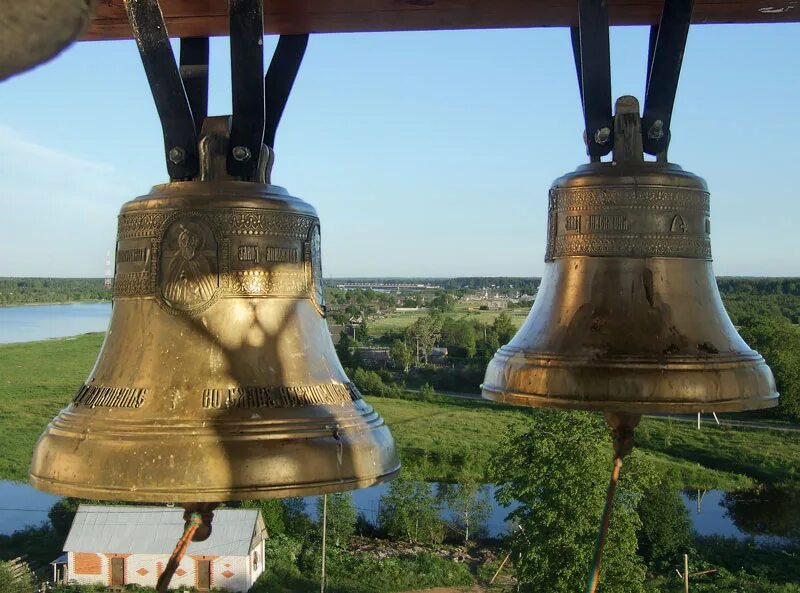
(87, 563)
(210, 559)
(125, 580)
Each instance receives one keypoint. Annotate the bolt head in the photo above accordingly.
(656, 131)
(602, 135)
(177, 155)
(241, 153)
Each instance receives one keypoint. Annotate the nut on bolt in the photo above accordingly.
(177, 155)
(602, 135)
(656, 131)
(241, 153)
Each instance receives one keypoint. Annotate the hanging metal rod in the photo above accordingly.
(177, 122)
(280, 79)
(247, 76)
(667, 45)
(593, 64)
(194, 73)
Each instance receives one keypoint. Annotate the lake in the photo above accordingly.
(765, 516)
(43, 322)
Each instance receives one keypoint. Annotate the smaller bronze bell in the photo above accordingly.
(628, 317)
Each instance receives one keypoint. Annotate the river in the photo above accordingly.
(43, 322)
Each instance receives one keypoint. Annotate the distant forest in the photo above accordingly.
(735, 291)
(31, 291)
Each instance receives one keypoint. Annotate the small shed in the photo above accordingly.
(120, 545)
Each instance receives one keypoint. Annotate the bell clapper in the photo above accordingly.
(198, 517)
(622, 426)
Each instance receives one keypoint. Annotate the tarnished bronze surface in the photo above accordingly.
(217, 379)
(628, 317)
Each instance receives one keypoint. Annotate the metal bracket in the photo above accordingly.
(280, 79)
(247, 76)
(667, 45)
(181, 95)
(177, 122)
(194, 73)
(590, 47)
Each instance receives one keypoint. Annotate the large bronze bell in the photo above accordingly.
(217, 379)
(628, 317)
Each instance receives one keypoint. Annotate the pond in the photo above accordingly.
(22, 505)
(767, 516)
(43, 322)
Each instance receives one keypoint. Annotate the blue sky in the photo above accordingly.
(425, 154)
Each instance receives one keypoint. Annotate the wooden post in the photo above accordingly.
(686, 573)
(324, 535)
(715, 418)
(502, 564)
(698, 420)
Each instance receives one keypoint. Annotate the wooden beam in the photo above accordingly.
(201, 18)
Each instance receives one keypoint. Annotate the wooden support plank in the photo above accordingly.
(201, 18)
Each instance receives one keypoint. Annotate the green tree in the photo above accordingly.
(427, 392)
(460, 335)
(341, 517)
(469, 505)
(62, 513)
(558, 470)
(423, 335)
(778, 340)
(504, 328)
(298, 523)
(666, 532)
(443, 302)
(400, 354)
(272, 512)
(409, 511)
(16, 577)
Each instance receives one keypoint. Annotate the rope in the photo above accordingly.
(194, 521)
(594, 574)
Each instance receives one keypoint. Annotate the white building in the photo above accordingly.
(117, 545)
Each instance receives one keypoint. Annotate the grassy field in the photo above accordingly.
(36, 380)
(445, 439)
(400, 320)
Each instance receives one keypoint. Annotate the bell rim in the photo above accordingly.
(506, 354)
(532, 400)
(173, 495)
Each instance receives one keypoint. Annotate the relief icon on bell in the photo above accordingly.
(628, 317)
(189, 275)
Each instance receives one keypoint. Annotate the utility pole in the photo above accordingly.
(686, 573)
(324, 536)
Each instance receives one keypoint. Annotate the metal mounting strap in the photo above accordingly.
(280, 78)
(180, 135)
(247, 73)
(194, 73)
(593, 63)
(667, 44)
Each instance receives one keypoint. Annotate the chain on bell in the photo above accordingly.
(628, 318)
(217, 379)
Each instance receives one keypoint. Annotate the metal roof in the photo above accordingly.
(156, 530)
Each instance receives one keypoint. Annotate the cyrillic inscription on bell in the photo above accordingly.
(628, 317)
(218, 379)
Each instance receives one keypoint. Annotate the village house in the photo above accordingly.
(374, 356)
(121, 545)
